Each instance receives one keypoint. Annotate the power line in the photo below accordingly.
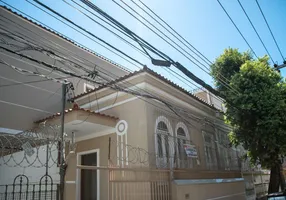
(237, 28)
(73, 41)
(24, 71)
(29, 82)
(139, 94)
(178, 46)
(110, 25)
(46, 64)
(283, 58)
(175, 37)
(169, 27)
(115, 88)
(150, 47)
(205, 67)
(76, 25)
(128, 91)
(201, 56)
(52, 42)
(124, 40)
(70, 52)
(82, 34)
(143, 42)
(255, 30)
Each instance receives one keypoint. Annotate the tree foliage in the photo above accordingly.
(257, 111)
(227, 65)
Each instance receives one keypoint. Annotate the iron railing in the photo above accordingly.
(22, 189)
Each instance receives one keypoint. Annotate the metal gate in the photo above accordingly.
(22, 189)
(141, 184)
(132, 183)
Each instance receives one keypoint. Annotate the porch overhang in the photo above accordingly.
(83, 123)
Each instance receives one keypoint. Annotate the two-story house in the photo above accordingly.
(150, 160)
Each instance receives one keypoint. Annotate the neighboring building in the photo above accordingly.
(210, 98)
(26, 103)
(24, 98)
(155, 140)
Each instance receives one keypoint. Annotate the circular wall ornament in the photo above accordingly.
(121, 127)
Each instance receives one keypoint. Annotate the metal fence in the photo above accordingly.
(139, 184)
(171, 153)
(22, 189)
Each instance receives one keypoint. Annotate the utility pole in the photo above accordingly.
(62, 170)
(278, 67)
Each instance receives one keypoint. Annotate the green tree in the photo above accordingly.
(257, 110)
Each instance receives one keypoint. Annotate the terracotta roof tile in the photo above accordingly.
(76, 109)
(148, 70)
(66, 38)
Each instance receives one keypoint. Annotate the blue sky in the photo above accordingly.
(202, 22)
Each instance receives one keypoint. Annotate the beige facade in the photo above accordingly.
(142, 164)
(135, 155)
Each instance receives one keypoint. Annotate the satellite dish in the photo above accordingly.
(121, 127)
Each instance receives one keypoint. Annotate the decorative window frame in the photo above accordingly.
(187, 162)
(164, 162)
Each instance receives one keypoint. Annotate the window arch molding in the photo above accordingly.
(184, 127)
(163, 142)
(166, 121)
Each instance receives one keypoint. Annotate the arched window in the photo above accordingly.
(163, 133)
(162, 140)
(182, 138)
(162, 126)
(181, 132)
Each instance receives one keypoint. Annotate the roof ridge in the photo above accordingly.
(150, 71)
(53, 31)
(69, 110)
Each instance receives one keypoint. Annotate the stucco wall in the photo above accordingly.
(134, 113)
(15, 164)
(210, 191)
(72, 181)
(195, 130)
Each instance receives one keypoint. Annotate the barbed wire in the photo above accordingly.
(172, 154)
(33, 148)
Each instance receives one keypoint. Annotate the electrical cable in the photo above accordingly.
(29, 82)
(206, 69)
(152, 48)
(45, 64)
(204, 58)
(124, 28)
(283, 58)
(72, 39)
(237, 29)
(65, 37)
(159, 30)
(255, 30)
(196, 52)
(22, 38)
(124, 40)
(104, 21)
(23, 71)
(178, 46)
(76, 25)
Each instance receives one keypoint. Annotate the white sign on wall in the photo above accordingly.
(191, 150)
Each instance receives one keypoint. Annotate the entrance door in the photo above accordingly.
(89, 178)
